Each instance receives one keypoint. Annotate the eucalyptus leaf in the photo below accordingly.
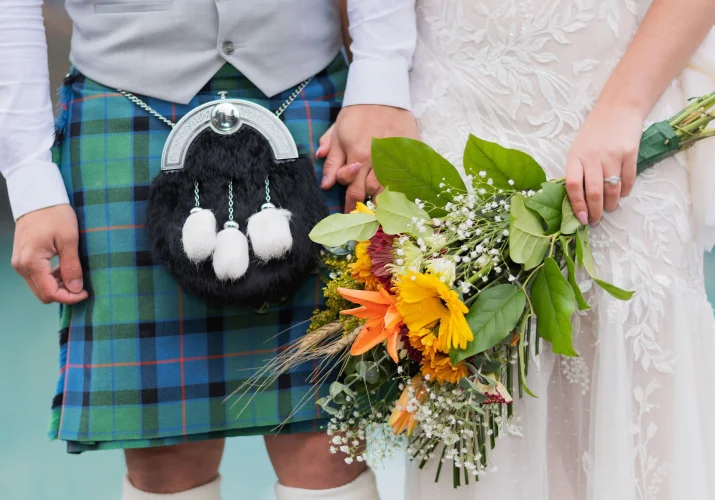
(324, 403)
(582, 304)
(395, 213)
(501, 165)
(415, 169)
(338, 229)
(554, 302)
(372, 375)
(569, 222)
(528, 242)
(549, 204)
(590, 265)
(491, 318)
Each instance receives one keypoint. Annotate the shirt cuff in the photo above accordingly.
(35, 186)
(382, 82)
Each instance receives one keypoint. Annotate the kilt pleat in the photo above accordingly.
(142, 362)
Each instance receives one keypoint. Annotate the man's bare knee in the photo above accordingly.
(173, 469)
(305, 461)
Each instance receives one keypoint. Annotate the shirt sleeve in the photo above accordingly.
(26, 118)
(384, 35)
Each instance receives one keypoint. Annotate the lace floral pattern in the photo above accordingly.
(525, 73)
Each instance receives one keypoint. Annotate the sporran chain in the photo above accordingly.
(143, 105)
(230, 201)
(268, 190)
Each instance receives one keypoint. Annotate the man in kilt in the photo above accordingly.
(146, 366)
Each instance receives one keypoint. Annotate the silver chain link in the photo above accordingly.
(268, 190)
(171, 124)
(230, 201)
(196, 194)
(293, 96)
(146, 107)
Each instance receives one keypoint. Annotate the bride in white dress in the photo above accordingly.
(632, 418)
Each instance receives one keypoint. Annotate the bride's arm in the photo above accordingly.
(608, 142)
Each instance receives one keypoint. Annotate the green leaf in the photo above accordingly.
(613, 290)
(338, 229)
(415, 169)
(501, 165)
(569, 222)
(491, 318)
(585, 252)
(549, 204)
(582, 304)
(589, 264)
(581, 234)
(554, 302)
(527, 241)
(395, 212)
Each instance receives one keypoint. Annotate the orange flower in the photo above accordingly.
(440, 368)
(383, 320)
(401, 418)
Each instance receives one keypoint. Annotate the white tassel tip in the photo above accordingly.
(231, 257)
(198, 235)
(269, 231)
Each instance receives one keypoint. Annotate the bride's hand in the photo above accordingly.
(606, 146)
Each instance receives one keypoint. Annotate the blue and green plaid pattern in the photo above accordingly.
(143, 363)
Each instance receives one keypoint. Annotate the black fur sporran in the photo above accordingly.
(246, 158)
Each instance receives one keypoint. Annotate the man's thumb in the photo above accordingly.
(70, 267)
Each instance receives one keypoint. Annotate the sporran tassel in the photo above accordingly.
(231, 257)
(198, 235)
(269, 230)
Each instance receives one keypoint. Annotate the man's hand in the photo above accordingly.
(346, 147)
(40, 236)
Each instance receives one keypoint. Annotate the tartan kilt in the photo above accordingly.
(142, 362)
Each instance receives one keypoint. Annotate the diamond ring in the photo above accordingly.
(613, 180)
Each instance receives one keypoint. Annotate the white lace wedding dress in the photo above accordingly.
(634, 417)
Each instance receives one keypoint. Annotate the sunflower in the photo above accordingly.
(361, 269)
(424, 301)
(361, 208)
(425, 341)
(440, 368)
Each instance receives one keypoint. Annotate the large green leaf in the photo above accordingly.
(491, 318)
(549, 203)
(582, 304)
(528, 242)
(554, 302)
(501, 165)
(338, 229)
(395, 212)
(569, 222)
(583, 243)
(415, 169)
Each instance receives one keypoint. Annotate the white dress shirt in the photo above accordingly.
(383, 33)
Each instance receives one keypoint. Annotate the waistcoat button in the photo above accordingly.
(228, 47)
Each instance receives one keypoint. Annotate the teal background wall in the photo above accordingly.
(31, 468)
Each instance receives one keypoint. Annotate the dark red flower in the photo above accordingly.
(413, 354)
(380, 251)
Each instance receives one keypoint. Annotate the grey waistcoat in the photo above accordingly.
(170, 48)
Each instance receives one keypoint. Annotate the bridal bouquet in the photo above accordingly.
(440, 292)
